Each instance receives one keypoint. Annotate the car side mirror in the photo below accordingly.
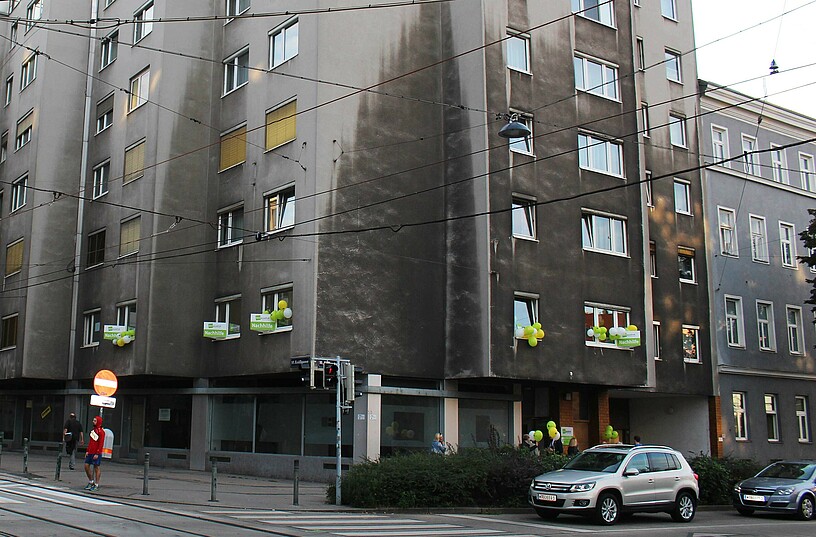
(631, 472)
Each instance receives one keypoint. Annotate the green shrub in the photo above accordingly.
(718, 476)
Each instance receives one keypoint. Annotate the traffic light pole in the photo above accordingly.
(339, 439)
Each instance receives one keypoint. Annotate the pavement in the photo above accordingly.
(170, 485)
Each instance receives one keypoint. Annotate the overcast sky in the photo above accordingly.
(790, 40)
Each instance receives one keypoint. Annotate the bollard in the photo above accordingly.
(25, 455)
(296, 482)
(59, 466)
(146, 472)
(214, 465)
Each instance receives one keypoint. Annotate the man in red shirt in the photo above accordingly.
(93, 457)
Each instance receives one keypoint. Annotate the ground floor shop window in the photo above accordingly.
(44, 417)
(167, 421)
(408, 423)
(480, 419)
(7, 408)
(232, 419)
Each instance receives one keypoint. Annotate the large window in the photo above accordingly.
(771, 417)
(765, 326)
(126, 315)
(279, 209)
(677, 130)
(92, 328)
(19, 190)
(597, 10)
(525, 144)
(96, 249)
(101, 177)
(524, 218)
(719, 144)
(685, 265)
(281, 125)
(669, 9)
(109, 49)
(525, 309)
(596, 77)
(518, 51)
(139, 90)
(600, 155)
(25, 126)
(230, 227)
(33, 13)
(750, 160)
(802, 418)
(28, 71)
(604, 233)
(8, 339)
(129, 233)
(740, 416)
(14, 257)
(104, 114)
(673, 66)
(9, 89)
(779, 165)
(646, 127)
(228, 310)
(759, 239)
(807, 172)
(728, 231)
(734, 324)
(691, 344)
(283, 43)
(270, 298)
(236, 7)
(236, 71)
(787, 244)
(682, 197)
(144, 22)
(794, 323)
(603, 316)
(233, 148)
(134, 162)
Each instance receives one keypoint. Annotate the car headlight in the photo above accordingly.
(786, 491)
(582, 487)
(737, 488)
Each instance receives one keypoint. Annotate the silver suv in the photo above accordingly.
(609, 480)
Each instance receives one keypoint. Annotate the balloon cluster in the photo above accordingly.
(611, 434)
(532, 333)
(394, 431)
(123, 338)
(283, 311)
(614, 333)
(552, 430)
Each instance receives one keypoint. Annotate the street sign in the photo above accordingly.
(105, 402)
(105, 383)
(302, 363)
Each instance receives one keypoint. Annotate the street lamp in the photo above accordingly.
(514, 127)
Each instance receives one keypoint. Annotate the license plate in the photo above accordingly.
(547, 497)
(754, 498)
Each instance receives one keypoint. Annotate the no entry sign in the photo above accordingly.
(105, 383)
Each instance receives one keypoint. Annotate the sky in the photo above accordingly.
(789, 39)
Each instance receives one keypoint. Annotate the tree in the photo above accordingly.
(808, 236)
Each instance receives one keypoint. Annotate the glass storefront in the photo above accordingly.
(8, 406)
(479, 418)
(408, 423)
(167, 421)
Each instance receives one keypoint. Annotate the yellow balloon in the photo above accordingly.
(120, 342)
(539, 334)
(282, 305)
(552, 431)
(631, 328)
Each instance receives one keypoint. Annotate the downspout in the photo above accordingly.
(83, 172)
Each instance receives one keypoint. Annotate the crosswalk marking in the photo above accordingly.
(3, 499)
(50, 495)
(518, 523)
(380, 533)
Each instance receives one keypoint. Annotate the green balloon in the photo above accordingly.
(532, 341)
(538, 436)
(550, 424)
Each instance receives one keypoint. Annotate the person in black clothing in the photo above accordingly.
(73, 435)
(556, 446)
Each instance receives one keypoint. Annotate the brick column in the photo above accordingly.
(715, 430)
(565, 417)
(603, 415)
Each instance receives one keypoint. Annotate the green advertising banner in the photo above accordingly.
(262, 322)
(629, 339)
(113, 331)
(215, 330)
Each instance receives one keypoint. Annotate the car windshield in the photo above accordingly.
(596, 461)
(788, 470)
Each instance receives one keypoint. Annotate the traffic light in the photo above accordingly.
(348, 382)
(329, 374)
(315, 374)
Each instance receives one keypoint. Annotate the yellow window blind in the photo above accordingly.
(281, 125)
(25, 123)
(129, 241)
(134, 163)
(233, 148)
(14, 257)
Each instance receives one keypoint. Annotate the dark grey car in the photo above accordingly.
(783, 487)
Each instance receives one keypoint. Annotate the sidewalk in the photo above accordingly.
(171, 485)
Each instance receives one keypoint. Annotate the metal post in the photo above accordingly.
(2, 438)
(25, 455)
(59, 465)
(214, 484)
(296, 483)
(339, 440)
(146, 472)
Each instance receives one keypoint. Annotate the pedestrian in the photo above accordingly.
(555, 445)
(72, 434)
(637, 441)
(527, 443)
(438, 444)
(572, 447)
(93, 456)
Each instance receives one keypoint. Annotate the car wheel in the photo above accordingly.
(684, 507)
(607, 510)
(745, 512)
(805, 511)
(547, 514)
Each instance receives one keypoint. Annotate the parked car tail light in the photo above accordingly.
(696, 477)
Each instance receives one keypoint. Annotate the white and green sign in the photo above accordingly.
(215, 330)
(629, 339)
(262, 322)
(113, 331)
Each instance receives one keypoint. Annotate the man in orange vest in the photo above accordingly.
(93, 456)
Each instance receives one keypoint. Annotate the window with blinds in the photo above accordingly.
(14, 257)
(134, 162)
(281, 125)
(233, 148)
(24, 128)
(129, 236)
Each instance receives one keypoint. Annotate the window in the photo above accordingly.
(279, 209)
(801, 418)
(648, 183)
(518, 51)
(92, 328)
(104, 114)
(233, 148)
(734, 327)
(228, 310)
(14, 30)
(596, 77)
(719, 144)
(109, 49)
(109, 2)
(281, 125)
(765, 326)
(673, 66)
(33, 13)
(236, 71)
(759, 240)
(604, 233)
(96, 249)
(597, 10)
(652, 259)
(101, 176)
(126, 315)
(19, 189)
(779, 164)
(525, 309)
(677, 130)
(139, 90)
(682, 197)
(794, 317)
(270, 299)
(24, 129)
(691, 344)
(144, 22)
(685, 264)
(750, 159)
(236, 7)
(656, 337)
(524, 218)
(641, 55)
(603, 316)
(600, 155)
(771, 418)
(14, 257)
(9, 89)
(3, 147)
(9, 336)
(644, 120)
(787, 244)
(728, 231)
(523, 145)
(134, 162)
(230, 227)
(283, 44)
(807, 172)
(669, 9)
(129, 233)
(740, 416)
